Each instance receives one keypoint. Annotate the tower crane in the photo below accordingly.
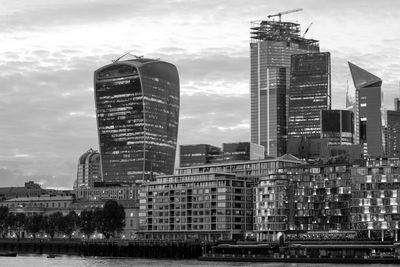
(284, 13)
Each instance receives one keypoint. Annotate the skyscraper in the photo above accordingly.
(137, 107)
(393, 133)
(310, 93)
(272, 44)
(368, 117)
(88, 169)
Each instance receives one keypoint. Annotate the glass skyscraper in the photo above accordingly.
(137, 108)
(310, 93)
(272, 44)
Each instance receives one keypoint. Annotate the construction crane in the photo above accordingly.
(284, 13)
(304, 34)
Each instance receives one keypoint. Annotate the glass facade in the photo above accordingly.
(272, 44)
(137, 107)
(310, 93)
(338, 127)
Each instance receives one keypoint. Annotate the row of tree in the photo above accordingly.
(109, 220)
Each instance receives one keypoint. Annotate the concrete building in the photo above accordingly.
(309, 94)
(137, 108)
(206, 206)
(271, 47)
(368, 119)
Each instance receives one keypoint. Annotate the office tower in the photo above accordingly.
(396, 104)
(272, 44)
(137, 107)
(368, 120)
(393, 134)
(310, 93)
(88, 169)
(192, 155)
(242, 151)
(338, 127)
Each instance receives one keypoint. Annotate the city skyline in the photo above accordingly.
(48, 58)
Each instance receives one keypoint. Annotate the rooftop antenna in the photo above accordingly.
(284, 13)
(125, 54)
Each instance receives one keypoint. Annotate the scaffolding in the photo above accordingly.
(266, 30)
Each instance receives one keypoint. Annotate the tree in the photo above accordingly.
(111, 219)
(52, 223)
(16, 223)
(3, 216)
(69, 224)
(87, 224)
(34, 224)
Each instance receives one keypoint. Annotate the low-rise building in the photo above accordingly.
(43, 204)
(206, 206)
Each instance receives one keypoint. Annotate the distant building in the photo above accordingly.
(137, 107)
(368, 119)
(251, 168)
(206, 206)
(107, 191)
(242, 151)
(393, 134)
(30, 189)
(309, 94)
(272, 44)
(192, 155)
(43, 204)
(338, 127)
(89, 170)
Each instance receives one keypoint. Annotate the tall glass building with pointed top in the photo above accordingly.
(368, 119)
(272, 44)
(137, 108)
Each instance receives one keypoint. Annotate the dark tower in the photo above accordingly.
(137, 108)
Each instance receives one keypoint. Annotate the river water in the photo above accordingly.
(75, 261)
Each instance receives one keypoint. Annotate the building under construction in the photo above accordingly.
(267, 30)
(271, 46)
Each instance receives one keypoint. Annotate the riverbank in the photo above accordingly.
(254, 258)
(139, 249)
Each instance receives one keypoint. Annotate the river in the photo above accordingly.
(34, 260)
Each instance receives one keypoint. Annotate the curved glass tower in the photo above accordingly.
(137, 108)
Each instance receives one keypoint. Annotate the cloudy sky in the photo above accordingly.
(49, 50)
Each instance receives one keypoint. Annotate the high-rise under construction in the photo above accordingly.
(272, 44)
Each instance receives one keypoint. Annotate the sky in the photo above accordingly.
(50, 49)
